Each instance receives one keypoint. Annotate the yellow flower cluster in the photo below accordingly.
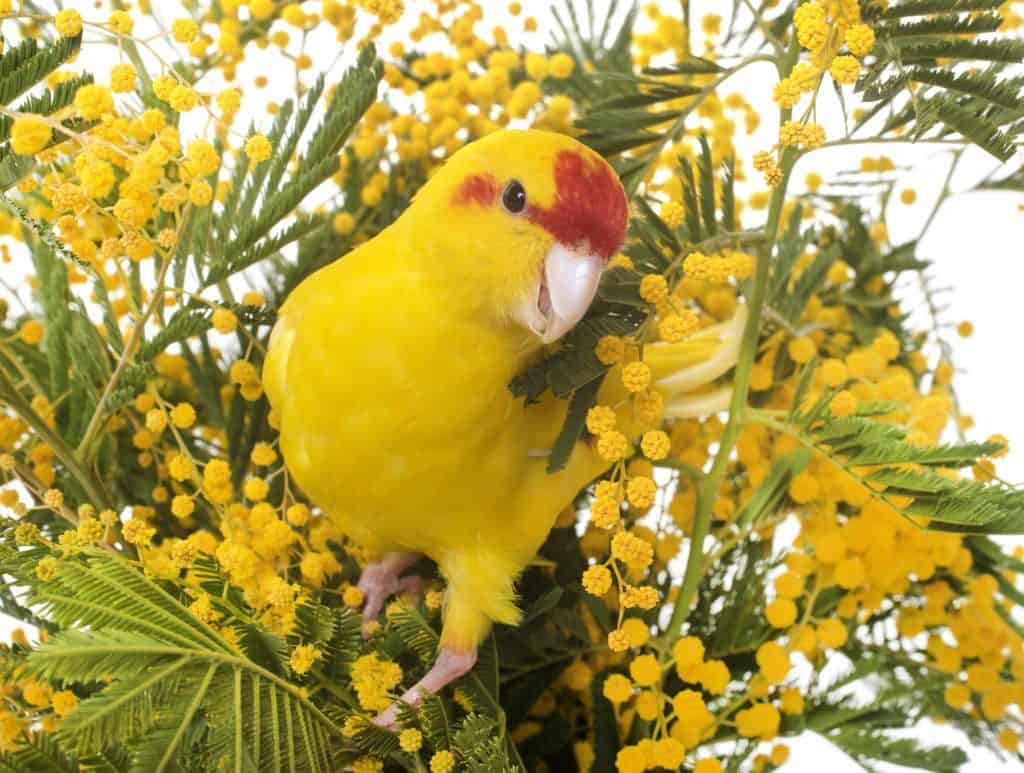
(806, 135)
(719, 268)
(373, 680)
(822, 28)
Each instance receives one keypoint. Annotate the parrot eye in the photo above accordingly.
(514, 197)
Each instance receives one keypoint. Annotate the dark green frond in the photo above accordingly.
(923, 7)
(23, 67)
(268, 199)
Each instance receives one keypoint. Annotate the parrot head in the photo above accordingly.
(529, 220)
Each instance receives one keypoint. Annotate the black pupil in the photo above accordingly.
(514, 197)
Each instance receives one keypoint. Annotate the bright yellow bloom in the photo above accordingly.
(773, 660)
(655, 444)
(64, 702)
(759, 721)
(597, 580)
(617, 688)
(860, 39)
(68, 23)
(843, 404)
(636, 376)
(410, 740)
(561, 66)
(257, 148)
(845, 70)
(612, 446)
(183, 415)
(224, 320)
(781, 613)
(183, 98)
(29, 136)
(122, 78)
(645, 670)
(184, 30)
(303, 657)
(442, 762)
(610, 350)
(93, 101)
(600, 419)
(31, 332)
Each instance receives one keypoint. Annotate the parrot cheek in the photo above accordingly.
(565, 291)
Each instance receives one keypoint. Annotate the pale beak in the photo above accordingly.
(566, 289)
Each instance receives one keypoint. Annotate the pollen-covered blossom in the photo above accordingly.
(675, 327)
(410, 740)
(29, 136)
(597, 580)
(600, 419)
(64, 702)
(655, 444)
(630, 549)
(257, 148)
(860, 39)
(303, 657)
(718, 268)
(759, 721)
(636, 376)
(845, 69)
(610, 349)
(68, 23)
(795, 134)
(373, 680)
(612, 445)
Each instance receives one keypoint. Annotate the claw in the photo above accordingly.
(382, 580)
(449, 666)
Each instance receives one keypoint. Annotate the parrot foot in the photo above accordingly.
(382, 579)
(449, 666)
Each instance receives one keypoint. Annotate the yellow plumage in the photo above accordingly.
(390, 370)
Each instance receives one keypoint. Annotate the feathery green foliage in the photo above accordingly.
(920, 73)
(253, 241)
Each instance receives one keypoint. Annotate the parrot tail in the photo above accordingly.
(683, 372)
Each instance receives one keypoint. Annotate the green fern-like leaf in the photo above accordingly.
(941, 24)
(251, 241)
(172, 675)
(47, 103)
(863, 744)
(27, 65)
(41, 754)
(924, 7)
(908, 477)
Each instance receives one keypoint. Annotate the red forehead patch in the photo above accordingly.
(590, 205)
(479, 189)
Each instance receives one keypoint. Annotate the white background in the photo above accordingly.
(975, 246)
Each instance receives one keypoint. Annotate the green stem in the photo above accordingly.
(709, 486)
(92, 431)
(92, 487)
(762, 25)
(929, 297)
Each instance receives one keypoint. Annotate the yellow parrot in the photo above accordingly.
(390, 370)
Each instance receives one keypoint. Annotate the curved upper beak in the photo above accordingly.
(565, 291)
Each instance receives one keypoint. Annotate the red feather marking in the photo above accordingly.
(590, 205)
(479, 189)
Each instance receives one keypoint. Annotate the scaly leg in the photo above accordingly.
(449, 666)
(381, 580)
